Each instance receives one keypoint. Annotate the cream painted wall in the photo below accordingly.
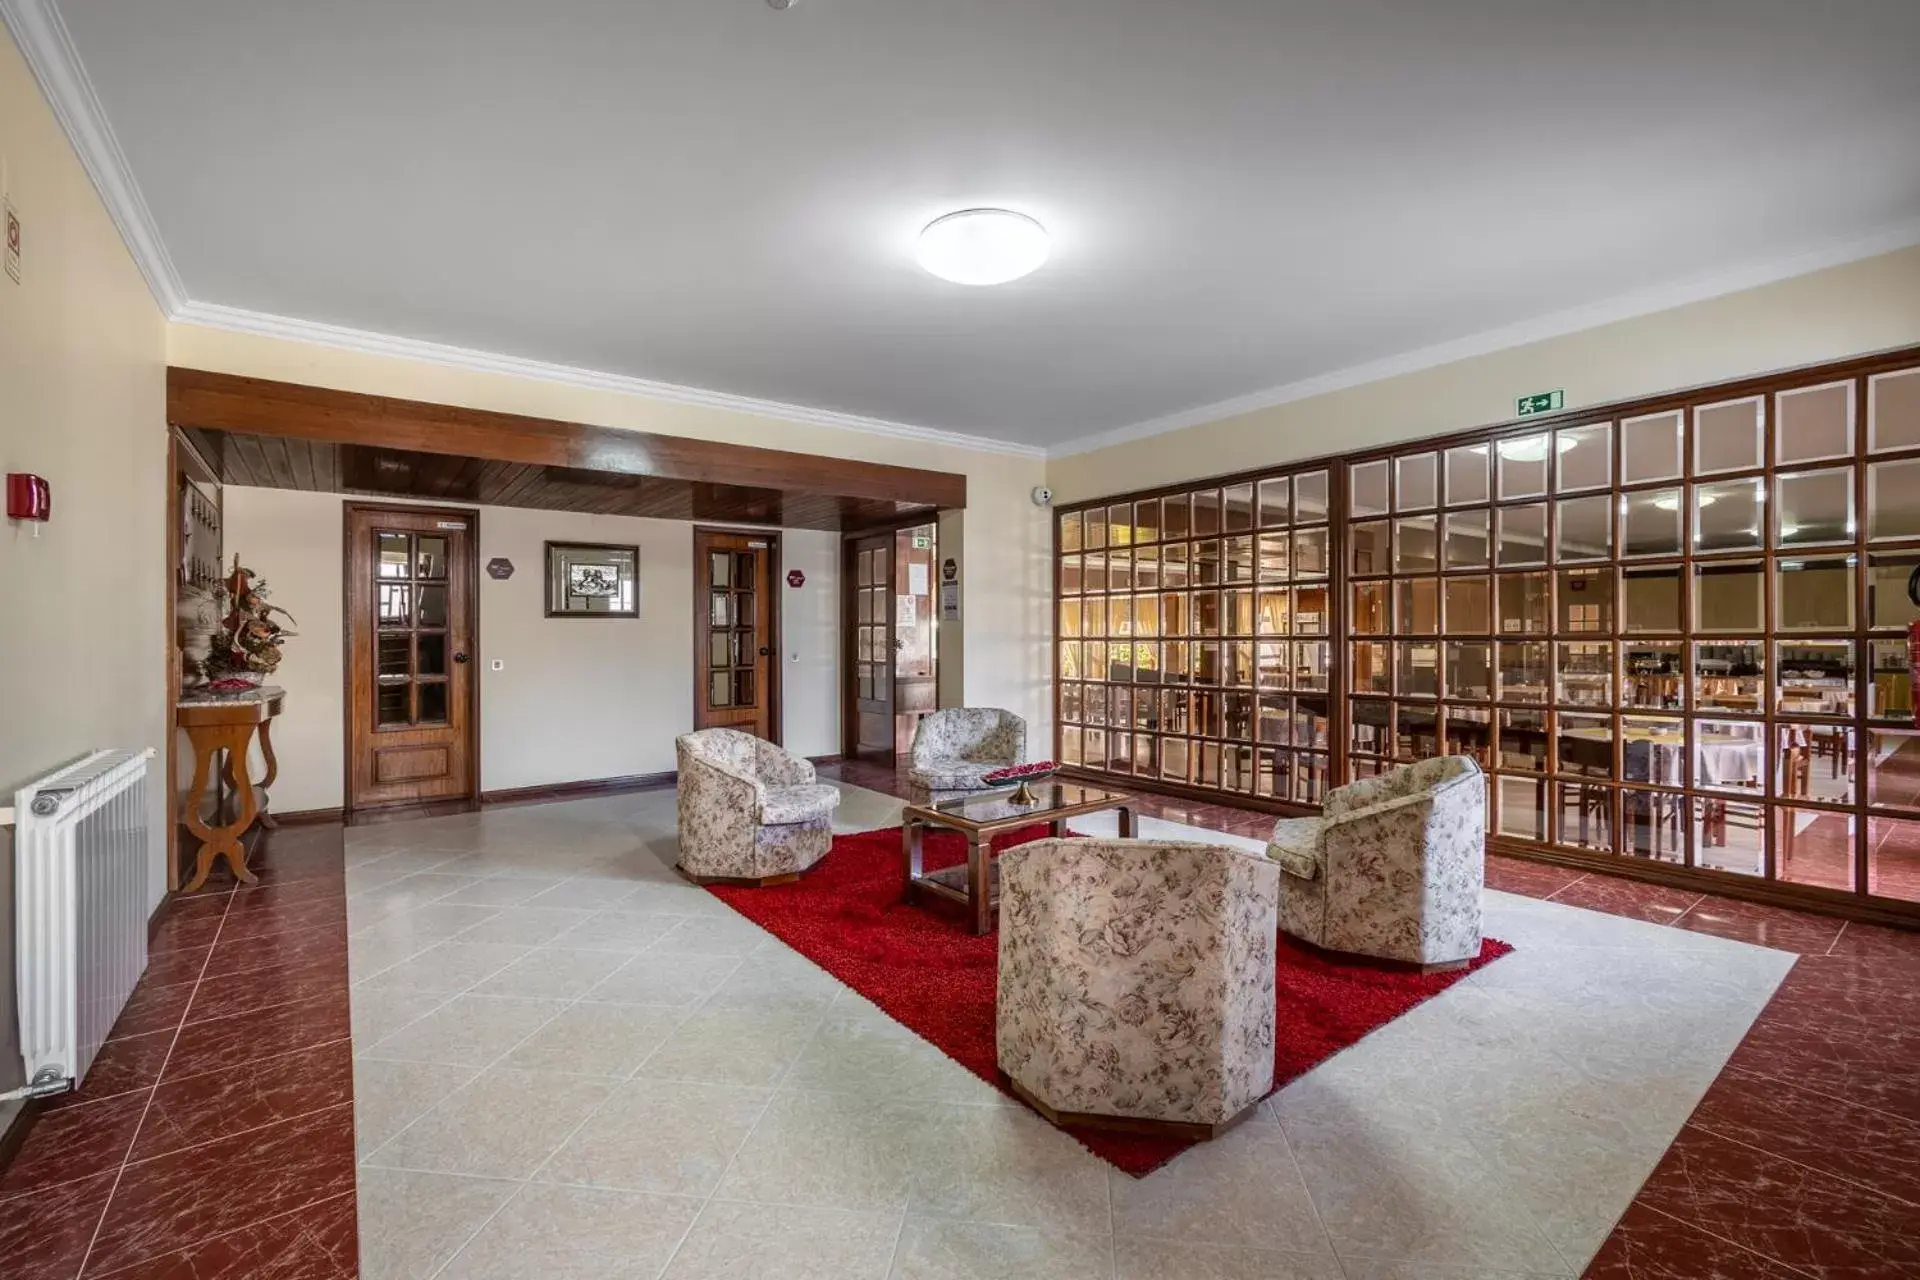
(82, 403)
(1862, 307)
(578, 699)
(1005, 541)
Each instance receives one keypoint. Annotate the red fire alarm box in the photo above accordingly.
(28, 497)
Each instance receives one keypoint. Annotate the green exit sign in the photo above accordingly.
(1544, 402)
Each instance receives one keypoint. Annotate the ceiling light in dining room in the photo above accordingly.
(1532, 448)
(983, 246)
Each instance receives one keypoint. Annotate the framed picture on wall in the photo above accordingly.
(592, 580)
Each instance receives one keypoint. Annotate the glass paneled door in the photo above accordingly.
(734, 619)
(874, 644)
(410, 622)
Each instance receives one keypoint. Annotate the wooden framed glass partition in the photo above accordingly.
(1673, 632)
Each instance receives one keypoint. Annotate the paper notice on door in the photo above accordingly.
(917, 579)
(906, 611)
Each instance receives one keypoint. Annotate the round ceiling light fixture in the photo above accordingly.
(983, 246)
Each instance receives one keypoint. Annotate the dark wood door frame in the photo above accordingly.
(471, 515)
(776, 599)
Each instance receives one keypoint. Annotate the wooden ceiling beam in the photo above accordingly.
(256, 406)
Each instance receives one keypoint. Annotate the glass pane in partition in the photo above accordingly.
(1586, 601)
(1237, 504)
(1650, 521)
(1730, 676)
(1726, 437)
(1467, 606)
(1522, 468)
(1893, 499)
(1814, 677)
(1276, 502)
(1814, 594)
(1176, 516)
(1729, 596)
(1584, 457)
(1368, 546)
(1310, 497)
(1369, 617)
(1470, 670)
(1890, 690)
(1813, 423)
(1814, 846)
(1814, 762)
(1814, 507)
(1467, 539)
(1523, 535)
(1367, 484)
(1584, 529)
(1467, 475)
(1729, 515)
(1651, 675)
(1525, 675)
(1415, 548)
(1206, 513)
(1650, 447)
(1416, 481)
(1893, 768)
(1146, 520)
(1523, 603)
(1729, 835)
(1417, 611)
(1650, 599)
(1276, 557)
(1585, 674)
(1893, 410)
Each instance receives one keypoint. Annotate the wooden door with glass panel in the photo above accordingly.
(874, 645)
(733, 632)
(410, 601)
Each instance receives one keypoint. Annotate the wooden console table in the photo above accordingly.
(218, 723)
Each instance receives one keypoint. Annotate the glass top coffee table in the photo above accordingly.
(975, 884)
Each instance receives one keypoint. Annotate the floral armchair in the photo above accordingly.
(1394, 866)
(749, 811)
(954, 748)
(1137, 981)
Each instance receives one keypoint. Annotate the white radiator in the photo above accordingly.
(80, 866)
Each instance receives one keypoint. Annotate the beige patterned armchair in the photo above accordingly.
(1394, 866)
(954, 747)
(749, 811)
(1137, 981)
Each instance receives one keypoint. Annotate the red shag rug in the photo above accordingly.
(921, 965)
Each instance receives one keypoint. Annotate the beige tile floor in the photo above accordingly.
(571, 1064)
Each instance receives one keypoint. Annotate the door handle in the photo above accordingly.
(460, 658)
(765, 652)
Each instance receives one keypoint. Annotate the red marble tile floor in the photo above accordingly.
(214, 1137)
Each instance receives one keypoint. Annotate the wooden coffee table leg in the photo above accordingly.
(1126, 823)
(980, 882)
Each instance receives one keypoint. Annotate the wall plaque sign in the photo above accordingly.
(500, 568)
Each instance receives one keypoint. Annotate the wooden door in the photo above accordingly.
(734, 631)
(871, 614)
(410, 626)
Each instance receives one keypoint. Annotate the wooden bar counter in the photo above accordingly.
(219, 724)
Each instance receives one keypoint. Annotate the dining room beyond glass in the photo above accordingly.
(1671, 631)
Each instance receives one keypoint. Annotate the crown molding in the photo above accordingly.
(262, 324)
(1555, 325)
(42, 36)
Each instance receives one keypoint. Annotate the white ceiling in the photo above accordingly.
(1242, 193)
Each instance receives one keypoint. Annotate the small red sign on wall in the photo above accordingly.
(795, 578)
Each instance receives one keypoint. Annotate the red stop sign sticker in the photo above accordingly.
(795, 578)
